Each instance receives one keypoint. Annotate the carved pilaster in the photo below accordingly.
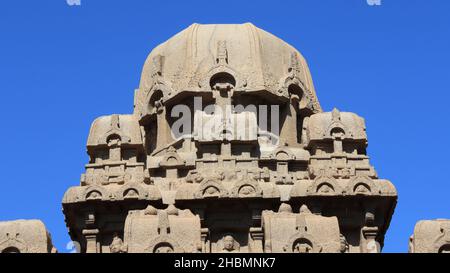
(257, 237)
(205, 242)
(90, 236)
(369, 233)
(368, 240)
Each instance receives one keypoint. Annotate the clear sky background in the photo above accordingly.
(62, 66)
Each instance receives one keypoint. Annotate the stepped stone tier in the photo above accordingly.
(147, 189)
(25, 236)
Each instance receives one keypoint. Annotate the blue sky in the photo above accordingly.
(62, 66)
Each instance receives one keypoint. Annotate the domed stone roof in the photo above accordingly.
(254, 59)
(182, 175)
(124, 126)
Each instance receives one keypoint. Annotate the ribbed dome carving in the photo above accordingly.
(253, 59)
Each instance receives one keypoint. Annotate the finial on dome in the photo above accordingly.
(336, 114)
(294, 66)
(115, 121)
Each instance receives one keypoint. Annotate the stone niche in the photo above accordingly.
(25, 236)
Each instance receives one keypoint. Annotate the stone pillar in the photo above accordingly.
(164, 132)
(204, 238)
(172, 173)
(225, 149)
(256, 236)
(114, 150)
(289, 127)
(369, 233)
(91, 240)
(337, 144)
(368, 240)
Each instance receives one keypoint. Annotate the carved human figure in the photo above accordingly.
(117, 245)
(229, 244)
(114, 144)
(344, 243)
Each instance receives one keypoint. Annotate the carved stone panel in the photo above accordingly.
(162, 231)
(304, 232)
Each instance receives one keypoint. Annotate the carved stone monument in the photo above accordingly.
(227, 151)
(163, 231)
(301, 182)
(303, 232)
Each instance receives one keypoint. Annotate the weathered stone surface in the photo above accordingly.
(431, 236)
(226, 185)
(25, 236)
(116, 150)
(257, 60)
(300, 183)
(163, 231)
(303, 232)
